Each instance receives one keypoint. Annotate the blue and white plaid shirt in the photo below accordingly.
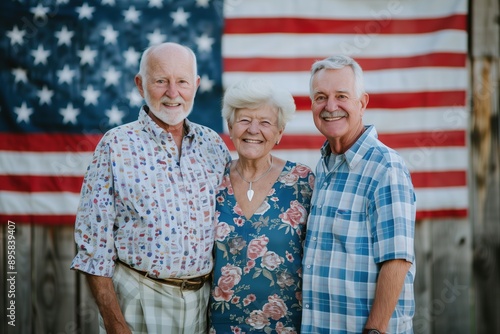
(362, 214)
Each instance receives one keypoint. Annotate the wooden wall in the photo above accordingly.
(485, 163)
(442, 286)
(50, 298)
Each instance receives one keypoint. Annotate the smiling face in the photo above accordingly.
(254, 132)
(337, 111)
(169, 83)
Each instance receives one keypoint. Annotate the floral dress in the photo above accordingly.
(257, 274)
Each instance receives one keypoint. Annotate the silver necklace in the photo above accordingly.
(250, 191)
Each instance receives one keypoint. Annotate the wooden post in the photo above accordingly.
(485, 163)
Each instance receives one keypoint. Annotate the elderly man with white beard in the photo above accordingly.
(144, 226)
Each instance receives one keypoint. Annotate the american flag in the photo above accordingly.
(67, 70)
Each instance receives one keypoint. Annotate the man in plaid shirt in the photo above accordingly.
(359, 259)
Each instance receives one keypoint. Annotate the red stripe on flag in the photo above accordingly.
(403, 100)
(454, 138)
(439, 179)
(31, 183)
(48, 142)
(394, 140)
(368, 64)
(442, 213)
(39, 219)
(293, 25)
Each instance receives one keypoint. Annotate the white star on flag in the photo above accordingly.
(40, 55)
(156, 37)
(85, 11)
(45, 95)
(206, 84)
(65, 75)
(64, 36)
(87, 56)
(90, 95)
(69, 114)
(16, 36)
(180, 17)
(202, 3)
(131, 15)
(111, 76)
(20, 75)
(23, 113)
(40, 12)
(131, 57)
(156, 3)
(115, 115)
(110, 35)
(204, 43)
(135, 99)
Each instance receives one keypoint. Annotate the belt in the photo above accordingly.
(192, 283)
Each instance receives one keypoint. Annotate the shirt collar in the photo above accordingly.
(358, 150)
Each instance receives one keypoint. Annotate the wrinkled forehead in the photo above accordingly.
(333, 80)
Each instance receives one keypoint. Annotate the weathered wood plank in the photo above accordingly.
(55, 293)
(422, 320)
(451, 276)
(21, 277)
(485, 163)
(442, 285)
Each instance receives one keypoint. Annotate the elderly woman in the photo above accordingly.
(261, 215)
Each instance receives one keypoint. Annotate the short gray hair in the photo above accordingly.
(335, 63)
(253, 93)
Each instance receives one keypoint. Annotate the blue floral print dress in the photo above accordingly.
(257, 274)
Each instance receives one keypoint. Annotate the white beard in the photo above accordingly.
(168, 118)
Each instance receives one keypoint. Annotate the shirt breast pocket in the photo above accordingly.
(350, 231)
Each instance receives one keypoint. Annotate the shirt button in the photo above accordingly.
(307, 305)
(314, 238)
(325, 184)
(308, 266)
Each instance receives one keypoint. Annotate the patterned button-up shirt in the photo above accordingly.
(362, 214)
(143, 204)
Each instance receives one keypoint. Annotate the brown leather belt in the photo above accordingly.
(193, 283)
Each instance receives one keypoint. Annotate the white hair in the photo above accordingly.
(253, 93)
(337, 62)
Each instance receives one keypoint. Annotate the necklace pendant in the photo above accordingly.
(250, 194)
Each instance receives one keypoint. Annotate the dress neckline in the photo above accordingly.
(242, 197)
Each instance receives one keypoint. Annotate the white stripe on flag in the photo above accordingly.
(18, 203)
(45, 164)
(384, 81)
(323, 45)
(367, 10)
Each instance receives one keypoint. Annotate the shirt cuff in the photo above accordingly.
(93, 266)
